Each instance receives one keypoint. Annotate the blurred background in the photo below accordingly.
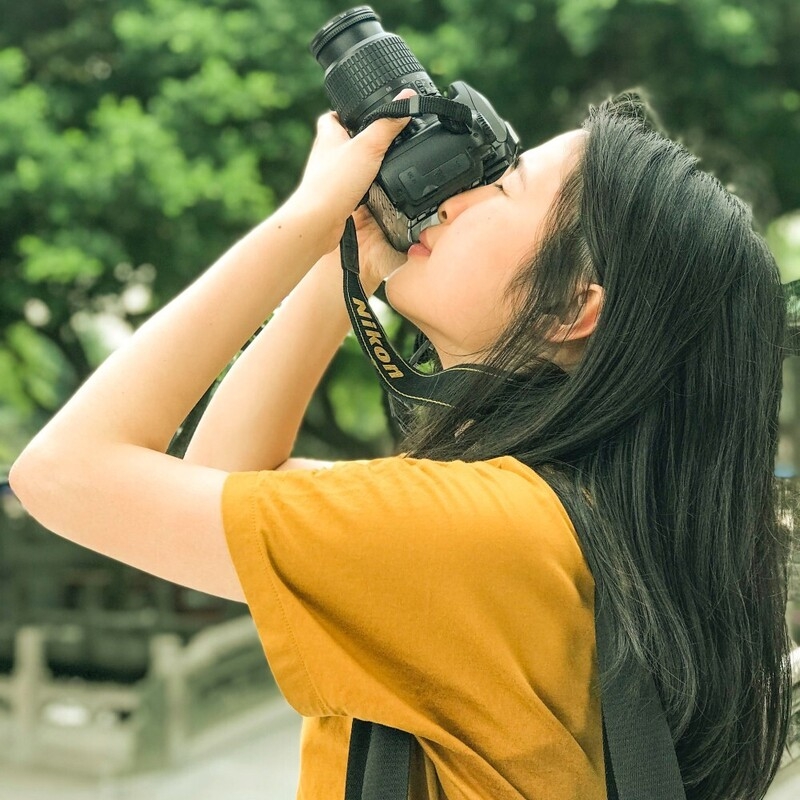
(138, 140)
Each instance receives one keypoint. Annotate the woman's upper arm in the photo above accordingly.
(144, 508)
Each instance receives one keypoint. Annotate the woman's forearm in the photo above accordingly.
(144, 390)
(252, 420)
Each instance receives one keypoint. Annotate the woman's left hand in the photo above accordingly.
(340, 170)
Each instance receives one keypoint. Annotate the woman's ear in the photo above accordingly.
(582, 316)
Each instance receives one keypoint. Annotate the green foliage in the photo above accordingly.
(783, 236)
(41, 367)
(59, 261)
(582, 22)
(139, 138)
(34, 376)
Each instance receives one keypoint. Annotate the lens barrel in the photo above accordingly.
(343, 32)
(365, 66)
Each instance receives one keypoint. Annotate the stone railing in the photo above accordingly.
(193, 698)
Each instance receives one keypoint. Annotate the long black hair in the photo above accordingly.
(665, 433)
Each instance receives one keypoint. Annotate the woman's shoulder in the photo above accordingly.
(501, 466)
(503, 486)
(403, 463)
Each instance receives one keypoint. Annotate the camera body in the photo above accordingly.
(431, 160)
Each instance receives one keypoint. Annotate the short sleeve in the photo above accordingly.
(398, 590)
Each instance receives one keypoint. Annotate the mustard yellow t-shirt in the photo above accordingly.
(450, 600)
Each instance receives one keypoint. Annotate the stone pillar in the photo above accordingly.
(166, 668)
(30, 672)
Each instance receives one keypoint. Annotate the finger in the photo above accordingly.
(405, 94)
(327, 120)
(329, 127)
(380, 134)
(364, 219)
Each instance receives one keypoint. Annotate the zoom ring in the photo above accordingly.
(366, 70)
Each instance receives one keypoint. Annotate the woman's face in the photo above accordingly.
(453, 288)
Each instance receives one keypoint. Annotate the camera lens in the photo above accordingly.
(342, 32)
(365, 66)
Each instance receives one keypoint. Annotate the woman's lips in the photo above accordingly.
(418, 249)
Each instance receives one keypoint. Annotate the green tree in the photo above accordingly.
(139, 138)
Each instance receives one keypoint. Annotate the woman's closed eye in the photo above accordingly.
(507, 173)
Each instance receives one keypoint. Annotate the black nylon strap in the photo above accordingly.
(357, 759)
(639, 752)
(611, 781)
(377, 763)
(454, 116)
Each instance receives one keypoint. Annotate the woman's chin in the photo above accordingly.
(397, 296)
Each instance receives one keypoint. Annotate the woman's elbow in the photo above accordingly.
(33, 478)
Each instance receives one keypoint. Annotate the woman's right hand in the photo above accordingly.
(376, 257)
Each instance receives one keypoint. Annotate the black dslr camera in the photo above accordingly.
(433, 158)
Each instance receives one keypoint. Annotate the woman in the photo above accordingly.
(445, 592)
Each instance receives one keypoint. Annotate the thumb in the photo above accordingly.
(380, 134)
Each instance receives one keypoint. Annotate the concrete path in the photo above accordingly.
(262, 766)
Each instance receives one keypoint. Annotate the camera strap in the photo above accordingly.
(399, 378)
(454, 116)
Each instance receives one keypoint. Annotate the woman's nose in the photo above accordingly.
(453, 206)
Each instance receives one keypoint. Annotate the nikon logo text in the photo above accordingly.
(375, 339)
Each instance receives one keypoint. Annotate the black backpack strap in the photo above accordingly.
(611, 782)
(377, 763)
(640, 758)
(639, 752)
